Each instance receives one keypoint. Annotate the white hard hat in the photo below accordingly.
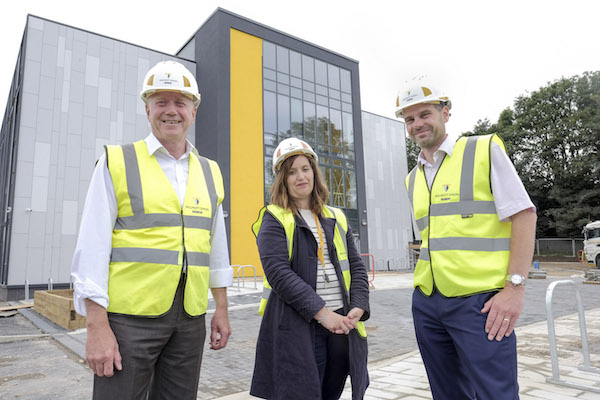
(170, 76)
(418, 91)
(290, 147)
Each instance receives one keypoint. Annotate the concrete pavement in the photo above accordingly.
(40, 360)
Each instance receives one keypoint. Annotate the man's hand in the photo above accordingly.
(101, 348)
(503, 311)
(220, 330)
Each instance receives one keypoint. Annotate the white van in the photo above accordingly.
(591, 243)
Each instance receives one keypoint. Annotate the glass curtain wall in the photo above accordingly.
(310, 99)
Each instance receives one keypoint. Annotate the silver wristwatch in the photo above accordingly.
(516, 279)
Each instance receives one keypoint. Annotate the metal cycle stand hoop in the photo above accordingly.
(555, 379)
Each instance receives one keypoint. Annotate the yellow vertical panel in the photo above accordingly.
(246, 143)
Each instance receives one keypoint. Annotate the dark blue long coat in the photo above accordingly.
(285, 366)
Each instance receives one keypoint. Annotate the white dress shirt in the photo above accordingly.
(510, 196)
(94, 245)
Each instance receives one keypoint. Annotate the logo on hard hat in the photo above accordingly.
(446, 187)
(168, 74)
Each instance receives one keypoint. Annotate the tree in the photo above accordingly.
(552, 136)
(412, 153)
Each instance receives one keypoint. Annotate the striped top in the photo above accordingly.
(329, 291)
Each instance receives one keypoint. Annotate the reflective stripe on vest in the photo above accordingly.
(154, 235)
(464, 246)
(288, 222)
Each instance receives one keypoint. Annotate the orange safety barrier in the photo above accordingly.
(372, 267)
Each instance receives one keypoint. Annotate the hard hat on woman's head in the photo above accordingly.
(419, 90)
(290, 147)
(170, 76)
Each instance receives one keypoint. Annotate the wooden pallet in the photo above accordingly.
(57, 306)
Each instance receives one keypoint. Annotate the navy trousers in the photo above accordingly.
(332, 355)
(461, 362)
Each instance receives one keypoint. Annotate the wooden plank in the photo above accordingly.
(10, 308)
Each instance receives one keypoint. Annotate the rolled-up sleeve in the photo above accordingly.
(89, 268)
(221, 272)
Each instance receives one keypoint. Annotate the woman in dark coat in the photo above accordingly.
(311, 336)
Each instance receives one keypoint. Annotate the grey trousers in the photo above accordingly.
(161, 356)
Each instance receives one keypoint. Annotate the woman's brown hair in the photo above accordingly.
(279, 191)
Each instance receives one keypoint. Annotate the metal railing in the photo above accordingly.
(555, 379)
(237, 268)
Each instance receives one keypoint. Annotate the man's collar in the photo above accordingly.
(447, 146)
(154, 145)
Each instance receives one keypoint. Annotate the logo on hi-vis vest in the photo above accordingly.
(446, 193)
(196, 208)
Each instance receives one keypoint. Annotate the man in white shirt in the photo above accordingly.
(151, 243)
(477, 225)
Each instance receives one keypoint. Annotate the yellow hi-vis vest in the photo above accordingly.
(154, 237)
(287, 221)
(465, 248)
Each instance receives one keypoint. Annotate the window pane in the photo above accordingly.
(322, 100)
(335, 104)
(283, 115)
(327, 175)
(269, 85)
(334, 94)
(321, 72)
(270, 112)
(296, 92)
(283, 89)
(347, 107)
(295, 64)
(322, 90)
(269, 74)
(309, 121)
(322, 124)
(322, 149)
(346, 97)
(336, 127)
(268, 55)
(308, 86)
(337, 187)
(270, 139)
(283, 61)
(308, 70)
(346, 84)
(296, 82)
(333, 76)
(297, 118)
(308, 96)
(348, 134)
(350, 190)
(283, 78)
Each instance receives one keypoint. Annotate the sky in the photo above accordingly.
(483, 54)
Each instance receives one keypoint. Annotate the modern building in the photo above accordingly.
(75, 91)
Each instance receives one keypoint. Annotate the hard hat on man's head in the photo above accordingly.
(290, 147)
(417, 91)
(170, 76)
